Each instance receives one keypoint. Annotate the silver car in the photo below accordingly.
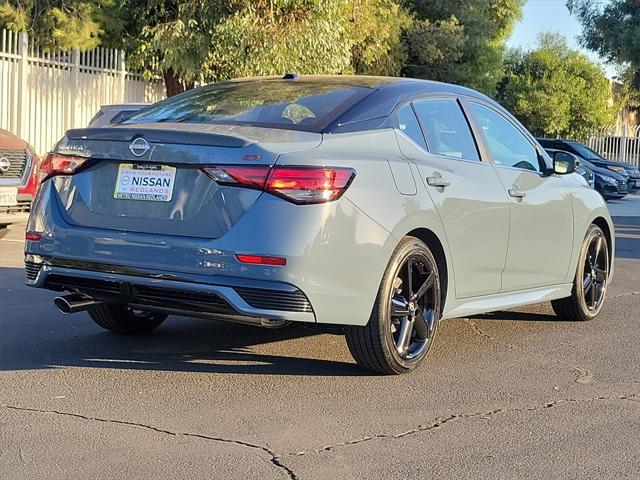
(372, 206)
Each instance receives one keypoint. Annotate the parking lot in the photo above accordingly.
(515, 394)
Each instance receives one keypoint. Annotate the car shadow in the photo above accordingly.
(512, 316)
(33, 335)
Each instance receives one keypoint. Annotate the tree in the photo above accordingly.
(555, 90)
(60, 24)
(460, 41)
(189, 41)
(613, 31)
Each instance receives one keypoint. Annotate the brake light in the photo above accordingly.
(304, 185)
(298, 184)
(55, 164)
(262, 260)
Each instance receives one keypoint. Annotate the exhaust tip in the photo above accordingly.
(63, 305)
(75, 302)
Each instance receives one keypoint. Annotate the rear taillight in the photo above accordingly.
(33, 236)
(241, 176)
(300, 185)
(309, 185)
(54, 164)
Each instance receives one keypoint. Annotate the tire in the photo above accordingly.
(590, 282)
(377, 346)
(122, 320)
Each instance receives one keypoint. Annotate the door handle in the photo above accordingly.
(517, 193)
(437, 182)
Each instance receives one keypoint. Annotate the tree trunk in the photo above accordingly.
(174, 84)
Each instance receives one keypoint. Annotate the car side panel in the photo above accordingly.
(541, 234)
(373, 192)
(474, 210)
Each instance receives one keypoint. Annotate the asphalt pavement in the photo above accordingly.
(515, 394)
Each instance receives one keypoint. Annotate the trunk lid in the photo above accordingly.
(156, 158)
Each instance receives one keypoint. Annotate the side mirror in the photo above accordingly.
(564, 163)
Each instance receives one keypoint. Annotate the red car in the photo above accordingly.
(18, 179)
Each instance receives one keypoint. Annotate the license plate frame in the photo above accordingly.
(145, 182)
(8, 196)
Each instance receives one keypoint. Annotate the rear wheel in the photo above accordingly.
(590, 283)
(121, 319)
(405, 316)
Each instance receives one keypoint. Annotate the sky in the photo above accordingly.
(542, 16)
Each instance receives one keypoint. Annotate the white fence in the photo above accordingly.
(43, 94)
(621, 145)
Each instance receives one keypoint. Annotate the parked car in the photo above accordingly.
(581, 170)
(373, 206)
(114, 114)
(18, 179)
(631, 173)
(610, 185)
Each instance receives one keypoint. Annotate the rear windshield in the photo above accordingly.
(309, 106)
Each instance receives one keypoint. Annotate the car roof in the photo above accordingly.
(387, 93)
(374, 106)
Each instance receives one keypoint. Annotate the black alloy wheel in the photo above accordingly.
(405, 317)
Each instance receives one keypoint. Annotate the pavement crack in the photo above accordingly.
(474, 326)
(442, 420)
(274, 459)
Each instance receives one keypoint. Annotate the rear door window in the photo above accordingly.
(408, 124)
(448, 133)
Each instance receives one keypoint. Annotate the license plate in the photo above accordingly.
(145, 182)
(8, 196)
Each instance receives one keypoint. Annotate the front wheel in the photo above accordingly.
(405, 316)
(121, 319)
(590, 283)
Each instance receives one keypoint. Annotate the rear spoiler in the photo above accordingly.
(119, 134)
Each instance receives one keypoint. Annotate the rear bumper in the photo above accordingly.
(224, 298)
(334, 253)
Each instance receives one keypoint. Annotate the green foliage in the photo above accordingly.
(59, 24)
(613, 31)
(189, 41)
(255, 40)
(556, 91)
(13, 17)
(460, 41)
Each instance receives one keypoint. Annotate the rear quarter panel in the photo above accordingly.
(376, 193)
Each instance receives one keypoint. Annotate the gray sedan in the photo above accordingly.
(375, 207)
